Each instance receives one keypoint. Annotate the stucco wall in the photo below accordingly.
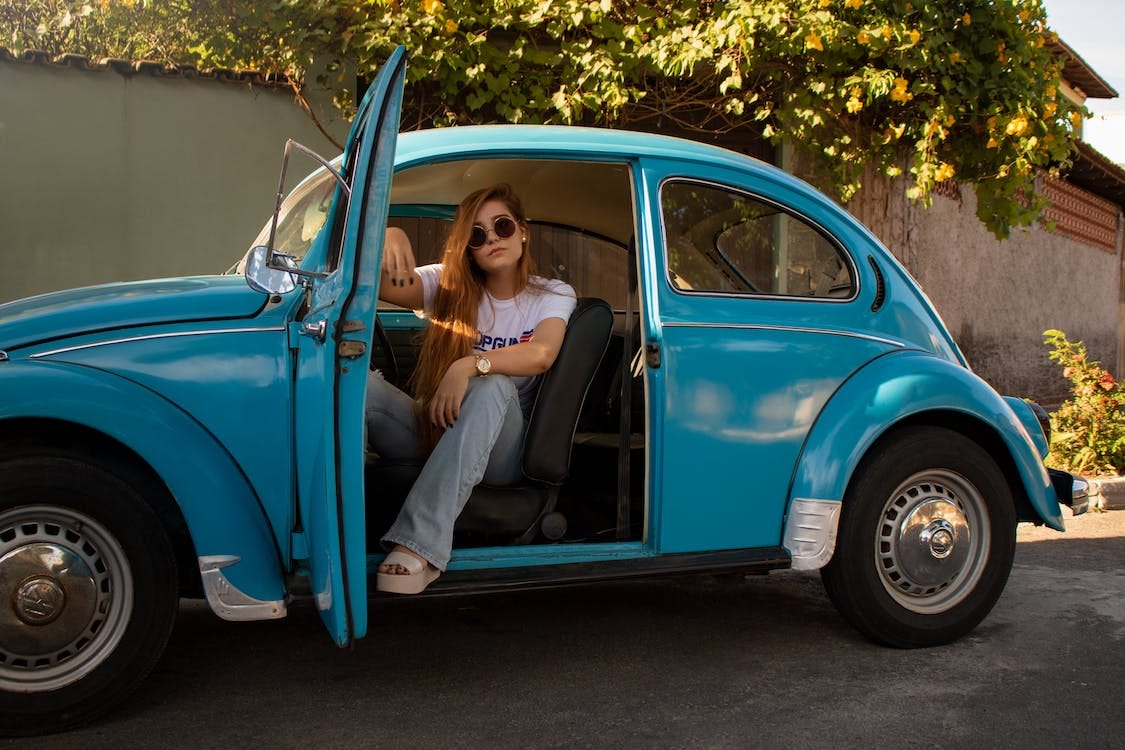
(106, 177)
(997, 297)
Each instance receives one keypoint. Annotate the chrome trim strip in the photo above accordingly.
(810, 532)
(758, 326)
(228, 602)
(95, 344)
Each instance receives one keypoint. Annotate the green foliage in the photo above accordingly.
(937, 89)
(1088, 429)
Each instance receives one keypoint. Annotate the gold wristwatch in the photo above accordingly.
(484, 365)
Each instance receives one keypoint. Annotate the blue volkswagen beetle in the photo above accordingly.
(749, 382)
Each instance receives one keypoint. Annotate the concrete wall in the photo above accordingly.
(997, 297)
(107, 177)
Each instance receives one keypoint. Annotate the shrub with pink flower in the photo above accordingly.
(1088, 429)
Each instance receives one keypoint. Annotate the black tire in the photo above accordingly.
(87, 592)
(926, 539)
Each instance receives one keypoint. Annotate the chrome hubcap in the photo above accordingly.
(40, 600)
(932, 541)
(64, 602)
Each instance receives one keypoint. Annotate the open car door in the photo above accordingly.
(334, 348)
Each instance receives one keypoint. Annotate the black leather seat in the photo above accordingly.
(518, 513)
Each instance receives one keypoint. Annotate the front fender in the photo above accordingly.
(892, 388)
(221, 509)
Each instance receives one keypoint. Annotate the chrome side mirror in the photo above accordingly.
(264, 276)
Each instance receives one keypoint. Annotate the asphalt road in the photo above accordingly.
(690, 663)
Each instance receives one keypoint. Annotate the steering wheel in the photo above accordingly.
(390, 367)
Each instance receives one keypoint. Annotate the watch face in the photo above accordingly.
(484, 365)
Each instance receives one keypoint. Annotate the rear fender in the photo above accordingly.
(222, 512)
(898, 386)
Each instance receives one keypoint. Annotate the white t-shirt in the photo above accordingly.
(503, 322)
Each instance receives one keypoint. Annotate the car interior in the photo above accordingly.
(584, 455)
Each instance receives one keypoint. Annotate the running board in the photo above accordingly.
(755, 560)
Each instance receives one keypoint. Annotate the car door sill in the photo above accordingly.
(753, 560)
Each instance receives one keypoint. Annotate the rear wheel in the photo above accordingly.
(926, 539)
(87, 592)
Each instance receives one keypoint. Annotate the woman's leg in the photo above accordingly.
(392, 430)
(485, 441)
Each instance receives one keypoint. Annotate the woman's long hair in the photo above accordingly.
(452, 329)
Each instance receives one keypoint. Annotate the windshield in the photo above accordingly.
(302, 216)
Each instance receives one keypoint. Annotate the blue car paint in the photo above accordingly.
(218, 504)
(897, 386)
(109, 307)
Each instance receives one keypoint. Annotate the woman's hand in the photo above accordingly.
(445, 406)
(400, 284)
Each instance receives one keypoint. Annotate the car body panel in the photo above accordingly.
(893, 388)
(331, 375)
(219, 505)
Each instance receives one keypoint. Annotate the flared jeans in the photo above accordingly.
(485, 444)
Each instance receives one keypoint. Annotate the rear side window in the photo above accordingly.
(723, 241)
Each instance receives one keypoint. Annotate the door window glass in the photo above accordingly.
(719, 240)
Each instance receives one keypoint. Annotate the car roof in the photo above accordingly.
(566, 175)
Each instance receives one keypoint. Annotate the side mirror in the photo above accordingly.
(261, 277)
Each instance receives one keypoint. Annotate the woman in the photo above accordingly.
(494, 327)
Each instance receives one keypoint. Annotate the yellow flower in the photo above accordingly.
(852, 3)
(1024, 15)
(1016, 126)
(854, 104)
(967, 19)
(812, 41)
(1049, 110)
(825, 3)
(895, 131)
(1076, 119)
(899, 92)
(886, 32)
(1051, 92)
(450, 26)
(949, 120)
(955, 57)
(863, 37)
(431, 6)
(993, 143)
(944, 172)
(915, 35)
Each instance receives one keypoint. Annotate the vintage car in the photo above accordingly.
(750, 382)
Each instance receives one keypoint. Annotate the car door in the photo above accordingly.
(758, 313)
(334, 341)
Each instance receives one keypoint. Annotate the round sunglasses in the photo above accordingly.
(504, 227)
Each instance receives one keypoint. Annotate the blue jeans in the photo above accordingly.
(485, 444)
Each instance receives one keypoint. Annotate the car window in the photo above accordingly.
(302, 216)
(721, 240)
(594, 266)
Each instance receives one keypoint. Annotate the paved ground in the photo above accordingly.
(694, 663)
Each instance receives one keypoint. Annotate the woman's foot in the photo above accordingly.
(403, 571)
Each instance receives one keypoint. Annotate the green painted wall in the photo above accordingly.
(106, 177)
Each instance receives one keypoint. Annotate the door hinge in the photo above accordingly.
(348, 326)
(351, 349)
(652, 356)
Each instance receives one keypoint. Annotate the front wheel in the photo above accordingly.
(926, 539)
(87, 592)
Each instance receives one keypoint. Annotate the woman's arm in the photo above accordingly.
(400, 285)
(532, 357)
